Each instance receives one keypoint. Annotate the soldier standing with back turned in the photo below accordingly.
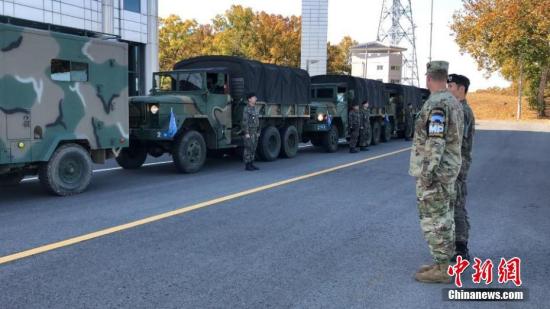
(435, 163)
(364, 134)
(458, 85)
(409, 121)
(354, 119)
(251, 131)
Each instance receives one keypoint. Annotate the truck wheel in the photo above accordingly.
(11, 179)
(189, 152)
(386, 133)
(68, 172)
(330, 140)
(290, 141)
(376, 132)
(132, 157)
(270, 144)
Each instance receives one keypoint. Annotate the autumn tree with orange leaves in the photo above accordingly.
(512, 36)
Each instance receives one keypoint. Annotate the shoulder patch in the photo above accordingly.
(436, 125)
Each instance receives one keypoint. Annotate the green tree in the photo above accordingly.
(512, 36)
(339, 56)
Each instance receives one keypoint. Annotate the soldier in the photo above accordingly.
(251, 130)
(409, 121)
(458, 85)
(364, 134)
(435, 163)
(354, 119)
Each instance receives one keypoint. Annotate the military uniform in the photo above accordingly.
(435, 163)
(409, 122)
(250, 126)
(462, 225)
(354, 119)
(364, 132)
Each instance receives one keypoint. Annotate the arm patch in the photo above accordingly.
(436, 124)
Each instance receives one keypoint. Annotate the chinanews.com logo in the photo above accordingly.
(508, 271)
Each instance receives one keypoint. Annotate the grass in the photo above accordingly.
(498, 106)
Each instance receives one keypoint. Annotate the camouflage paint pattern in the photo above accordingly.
(41, 112)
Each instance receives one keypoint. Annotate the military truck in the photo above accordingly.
(399, 97)
(332, 97)
(198, 106)
(63, 106)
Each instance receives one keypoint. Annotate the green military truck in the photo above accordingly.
(332, 97)
(63, 106)
(198, 107)
(399, 97)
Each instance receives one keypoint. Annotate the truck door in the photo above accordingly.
(219, 107)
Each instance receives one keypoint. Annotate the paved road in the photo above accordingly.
(345, 239)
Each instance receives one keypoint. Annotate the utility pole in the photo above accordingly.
(431, 29)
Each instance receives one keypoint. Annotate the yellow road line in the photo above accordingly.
(114, 229)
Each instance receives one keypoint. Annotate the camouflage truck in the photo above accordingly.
(332, 97)
(198, 107)
(63, 106)
(399, 97)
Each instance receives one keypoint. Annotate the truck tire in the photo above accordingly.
(132, 157)
(189, 152)
(290, 142)
(11, 179)
(386, 132)
(269, 145)
(376, 132)
(330, 140)
(68, 171)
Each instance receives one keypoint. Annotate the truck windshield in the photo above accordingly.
(324, 93)
(178, 81)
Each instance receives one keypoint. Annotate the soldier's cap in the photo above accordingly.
(250, 95)
(436, 66)
(365, 102)
(459, 80)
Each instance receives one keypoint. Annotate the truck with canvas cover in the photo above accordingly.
(332, 98)
(63, 106)
(198, 107)
(399, 97)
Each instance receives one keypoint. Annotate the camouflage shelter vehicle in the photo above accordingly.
(332, 98)
(198, 107)
(63, 106)
(399, 97)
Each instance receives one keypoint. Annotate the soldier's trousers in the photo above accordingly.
(462, 223)
(409, 127)
(250, 145)
(364, 137)
(353, 138)
(437, 218)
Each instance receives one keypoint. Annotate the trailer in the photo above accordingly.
(197, 108)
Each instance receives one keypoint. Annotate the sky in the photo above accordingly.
(359, 19)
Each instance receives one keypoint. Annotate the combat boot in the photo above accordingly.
(254, 167)
(436, 274)
(462, 250)
(248, 167)
(424, 268)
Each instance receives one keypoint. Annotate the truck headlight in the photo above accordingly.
(320, 117)
(154, 109)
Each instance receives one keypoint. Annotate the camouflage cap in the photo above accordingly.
(435, 66)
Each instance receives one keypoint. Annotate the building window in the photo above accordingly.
(67, 71)
(132, 5)
(379, 67)
(395, 68)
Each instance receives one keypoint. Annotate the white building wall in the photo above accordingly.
(379, 67)
(314, 36)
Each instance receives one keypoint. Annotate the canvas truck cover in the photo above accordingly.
(271, 83)
(364, 89)
(410, 94)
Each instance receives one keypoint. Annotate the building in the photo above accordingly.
(132, 21)
(314, 36)
(377, 61)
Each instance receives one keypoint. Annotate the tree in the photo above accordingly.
(507, 35)
(339, 56)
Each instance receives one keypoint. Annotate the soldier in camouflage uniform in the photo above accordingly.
(251, 131)
(354, 119)
(458, 86)
(365, 133)
(435, 163)
(409, 122)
